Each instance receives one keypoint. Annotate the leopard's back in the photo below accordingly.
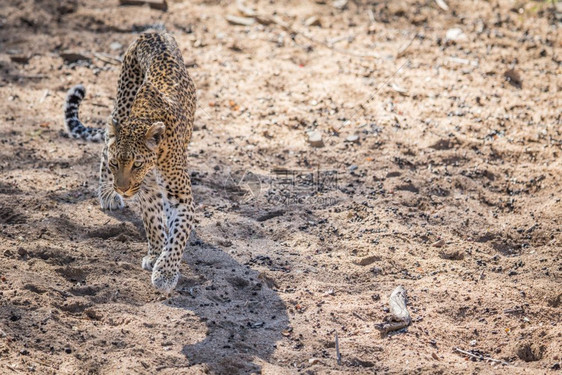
(167, 92)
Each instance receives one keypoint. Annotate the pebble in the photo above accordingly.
(240, 21)
(115, 46)
(315, 139)
(70, 57)
(312, 21)
(439, 243)
(352, 138)
(20, 59)
(455, 35)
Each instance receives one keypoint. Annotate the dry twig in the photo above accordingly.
(107, 58)
(481, 357)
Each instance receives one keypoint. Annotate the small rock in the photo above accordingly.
(240, 21)
(455, 35)
(20, 59)
(115, 46)
(514, 78)
(315, 139)
(354, 138)
(452, 255)
(439, 243)
(312, 21)
(473, 343)
(442, 4)
(339, 4)
(70, 57)
(256, 324)
(244, 10)
(368, 260)
(313, 361)
(399, 89)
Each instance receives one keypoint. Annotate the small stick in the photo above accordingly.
(514, 310)
(357, 315)
(100, 105)
(108, 59)
(338, 354)
(481, 357)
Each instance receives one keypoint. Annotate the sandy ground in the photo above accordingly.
(452, 189)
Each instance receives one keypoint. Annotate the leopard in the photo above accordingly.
(144, 156)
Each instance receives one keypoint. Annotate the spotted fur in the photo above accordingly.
(145, 152)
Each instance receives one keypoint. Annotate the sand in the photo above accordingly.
(439, 170)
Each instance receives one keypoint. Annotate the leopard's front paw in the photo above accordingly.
(164, 278)
(148, 262)
(110, 200)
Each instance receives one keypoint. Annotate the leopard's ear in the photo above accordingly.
(111, 131)
(154, 135)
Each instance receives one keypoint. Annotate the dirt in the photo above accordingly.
(451, 188)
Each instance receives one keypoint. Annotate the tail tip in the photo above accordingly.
(79, 90)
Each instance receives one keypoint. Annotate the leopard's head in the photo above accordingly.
(132, 152)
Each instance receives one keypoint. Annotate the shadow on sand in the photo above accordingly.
(244, 317)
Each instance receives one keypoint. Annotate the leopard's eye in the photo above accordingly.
(137, 164)
(113, 163)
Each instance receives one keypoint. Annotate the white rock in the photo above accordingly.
(312, 21)
(241, 21)
(115, 46)
(315, 139)
(455, 35)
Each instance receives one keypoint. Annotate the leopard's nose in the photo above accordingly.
(120, 189)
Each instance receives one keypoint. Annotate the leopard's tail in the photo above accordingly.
(74, 126)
